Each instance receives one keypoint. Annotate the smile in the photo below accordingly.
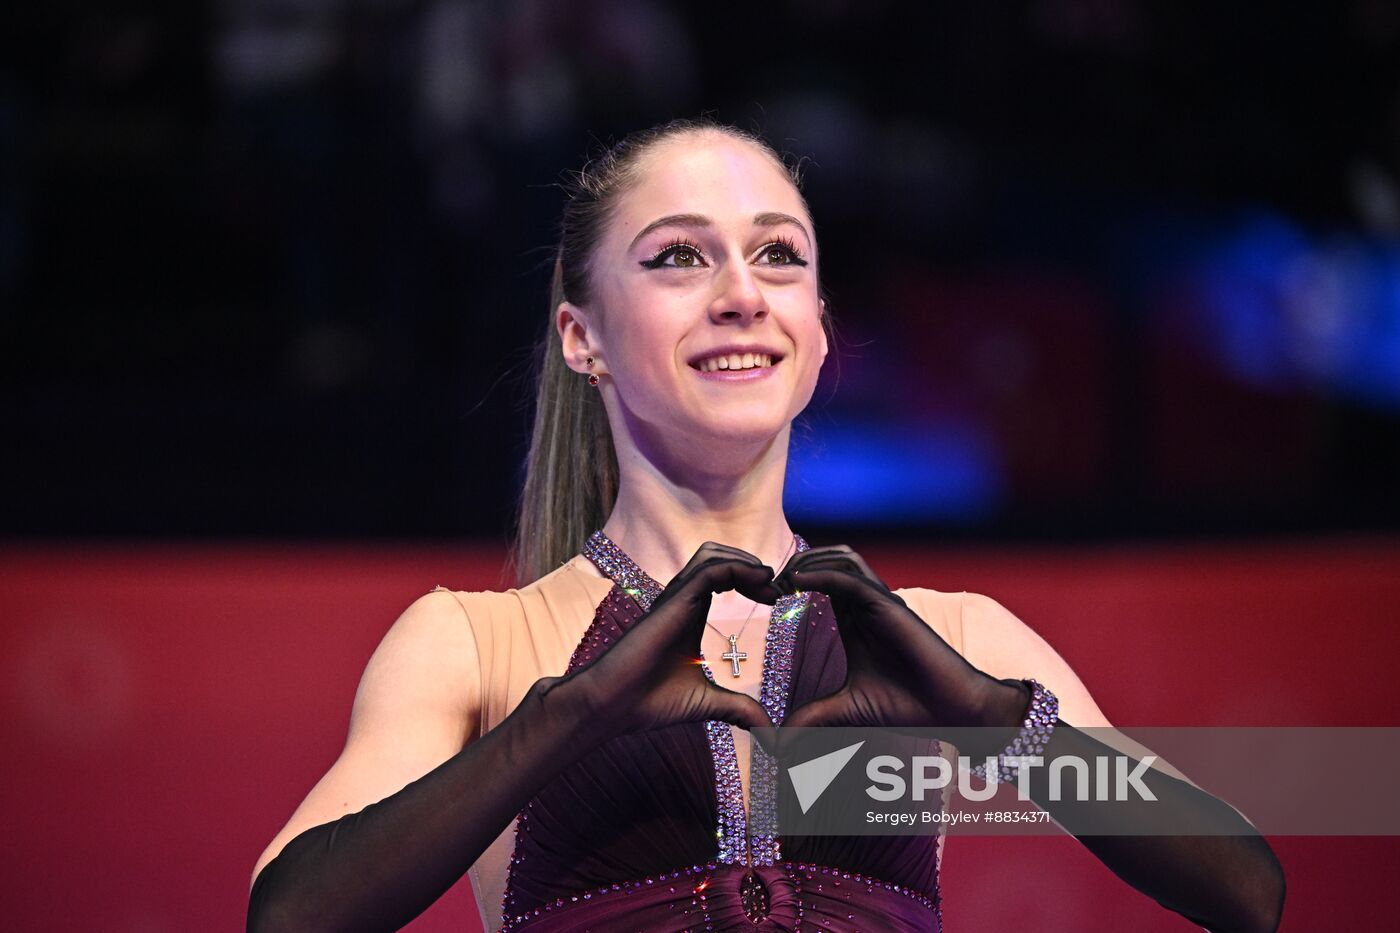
(752, 374)
(735, 361)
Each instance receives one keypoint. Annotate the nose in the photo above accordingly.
(738, 297)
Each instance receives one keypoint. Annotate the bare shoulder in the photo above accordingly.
(1002, 645)
(942, 612)
(998, 643)
(426, 661)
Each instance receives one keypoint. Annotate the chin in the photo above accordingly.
(741, 429)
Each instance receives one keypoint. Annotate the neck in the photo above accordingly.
(668, 506)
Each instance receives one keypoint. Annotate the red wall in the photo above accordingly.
(165, 708)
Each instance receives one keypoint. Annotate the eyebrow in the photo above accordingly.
(766, 219)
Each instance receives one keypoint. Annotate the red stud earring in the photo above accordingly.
(592, 377)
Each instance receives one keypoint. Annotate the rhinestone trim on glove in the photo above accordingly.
(1035, 732)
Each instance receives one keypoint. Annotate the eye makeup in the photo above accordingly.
(793, 256)
(676, 248)
(782, 251)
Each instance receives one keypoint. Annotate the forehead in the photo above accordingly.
(726, 179)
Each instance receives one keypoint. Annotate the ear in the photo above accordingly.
(821, 304)
(579, 338)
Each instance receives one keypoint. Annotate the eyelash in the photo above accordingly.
(794, 254)
(659, 260)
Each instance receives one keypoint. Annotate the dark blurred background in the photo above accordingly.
(1102, 269)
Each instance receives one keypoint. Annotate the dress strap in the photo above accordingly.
(453, 593)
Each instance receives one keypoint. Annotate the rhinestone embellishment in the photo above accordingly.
(753, 895)
(1036, 729)
(796, 872)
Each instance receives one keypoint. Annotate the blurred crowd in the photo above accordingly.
(1100, 268)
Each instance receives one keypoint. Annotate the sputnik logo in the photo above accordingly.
(811, 778)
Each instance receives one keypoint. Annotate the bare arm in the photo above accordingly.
(407, 809)
(418, 704)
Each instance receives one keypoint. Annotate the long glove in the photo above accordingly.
(900, 673)
(379, 868)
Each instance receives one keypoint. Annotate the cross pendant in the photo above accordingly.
(734, 655)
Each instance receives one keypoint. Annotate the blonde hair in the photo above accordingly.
(571, 472)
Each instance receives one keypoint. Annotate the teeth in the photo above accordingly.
(736, 361)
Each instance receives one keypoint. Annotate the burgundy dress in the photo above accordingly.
(648, 832)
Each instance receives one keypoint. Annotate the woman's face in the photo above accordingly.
(705, 313)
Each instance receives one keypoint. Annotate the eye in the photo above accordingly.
(678, 255)
(781, 252)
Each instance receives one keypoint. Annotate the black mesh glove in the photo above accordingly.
(900, 673)
(379, 868)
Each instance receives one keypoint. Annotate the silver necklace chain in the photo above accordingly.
(734, 639)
